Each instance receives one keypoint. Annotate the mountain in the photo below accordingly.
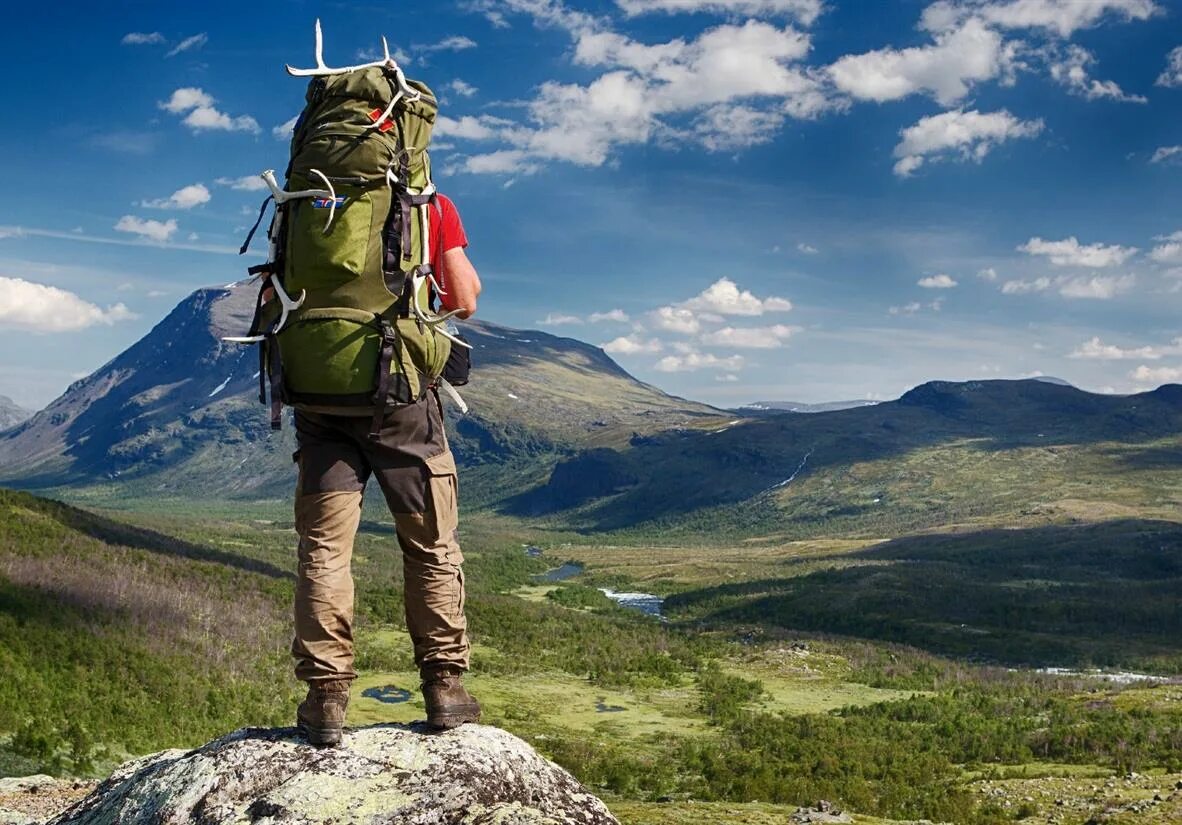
(773, 407)
(942, 453)
(11, 413)
(178, 410)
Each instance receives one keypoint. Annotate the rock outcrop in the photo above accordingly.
(388, 774)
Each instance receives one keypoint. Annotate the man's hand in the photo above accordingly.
(461, 281)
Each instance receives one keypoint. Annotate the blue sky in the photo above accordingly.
(740, 199)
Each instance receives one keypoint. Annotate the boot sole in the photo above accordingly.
(321, 736)
(453, 719)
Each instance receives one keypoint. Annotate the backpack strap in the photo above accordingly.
(381, 396)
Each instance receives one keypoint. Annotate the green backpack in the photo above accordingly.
(350, 330)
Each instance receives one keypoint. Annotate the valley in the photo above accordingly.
(895, 607)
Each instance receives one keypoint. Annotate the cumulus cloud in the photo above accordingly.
(693, 361)
(617, 316)
(556, 319)
(1070, 252)
(1171, 76)
(987, 274)
(806, 249)
(946, 69)
(455, 43)
(674, 319)
(1097, 287)
(968, 135)
(1070, 68)
(633, 345)
(246, 183)
(283, 130)
(158, 231)
(1168, 249)
(1020, 287)
(189, 44)
(462, 88)
(200, 114)
(806, 11)
(1157, 375)
(186, 197)
(142, 39)
(940, 281)
(25, 305)
(1166, 153)
(1060, 17)
(770, 337)
(915, 307)
(730, 87)
(724, 297)
(1097, 350)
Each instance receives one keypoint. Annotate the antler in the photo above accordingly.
(323, 70)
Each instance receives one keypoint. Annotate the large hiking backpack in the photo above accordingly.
(351, 330)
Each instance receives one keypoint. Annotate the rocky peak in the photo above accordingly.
(473, 775)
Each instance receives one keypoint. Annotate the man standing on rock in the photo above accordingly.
(415, 469)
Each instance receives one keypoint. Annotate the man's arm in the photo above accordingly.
(463, 284)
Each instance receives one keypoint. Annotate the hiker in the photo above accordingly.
(361, 247)
(417, 475)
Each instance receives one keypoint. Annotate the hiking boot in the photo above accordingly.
(449, 705)
(321, 716)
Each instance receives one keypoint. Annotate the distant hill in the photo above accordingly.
(178, 412)
(758, 407)
(12, 413)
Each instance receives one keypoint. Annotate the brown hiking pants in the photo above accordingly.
(417, 474)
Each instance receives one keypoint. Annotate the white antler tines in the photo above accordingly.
(323, 70)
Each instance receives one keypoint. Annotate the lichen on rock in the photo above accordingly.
(474, 775)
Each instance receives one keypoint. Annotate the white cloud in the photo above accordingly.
(987, 274)
(693, 361)
(462, 88)
(246, 183)
(1157, 375)
(1097, 287)
(1061, 17)
(734, 84)
(674, 319)
(283, 130)
(969, 135)
(202, 114)
(186, 98)
(617, 316)
(906, 309)
(1026, 287)
(468, 127)
(724, 297)
(188, 44)
(455, 43)
(555, 319)
(186, 197)
(806, 249)
(1097, 350)
(1069, 68)
(806, 11)
(632, 345)
(37, 307)
(770, 337)
(947, 69)
(152, 230)
(940, 281)
(1165, 153)
(1171, 76)
(1169, 251)
(1069, 252)
(142, 39)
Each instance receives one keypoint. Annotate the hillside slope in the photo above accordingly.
(178, 411)
(11, 413)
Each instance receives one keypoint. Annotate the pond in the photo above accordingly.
(567, 571)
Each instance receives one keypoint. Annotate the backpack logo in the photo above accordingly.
(329, 203)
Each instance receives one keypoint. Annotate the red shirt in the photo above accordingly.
(447, 232)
